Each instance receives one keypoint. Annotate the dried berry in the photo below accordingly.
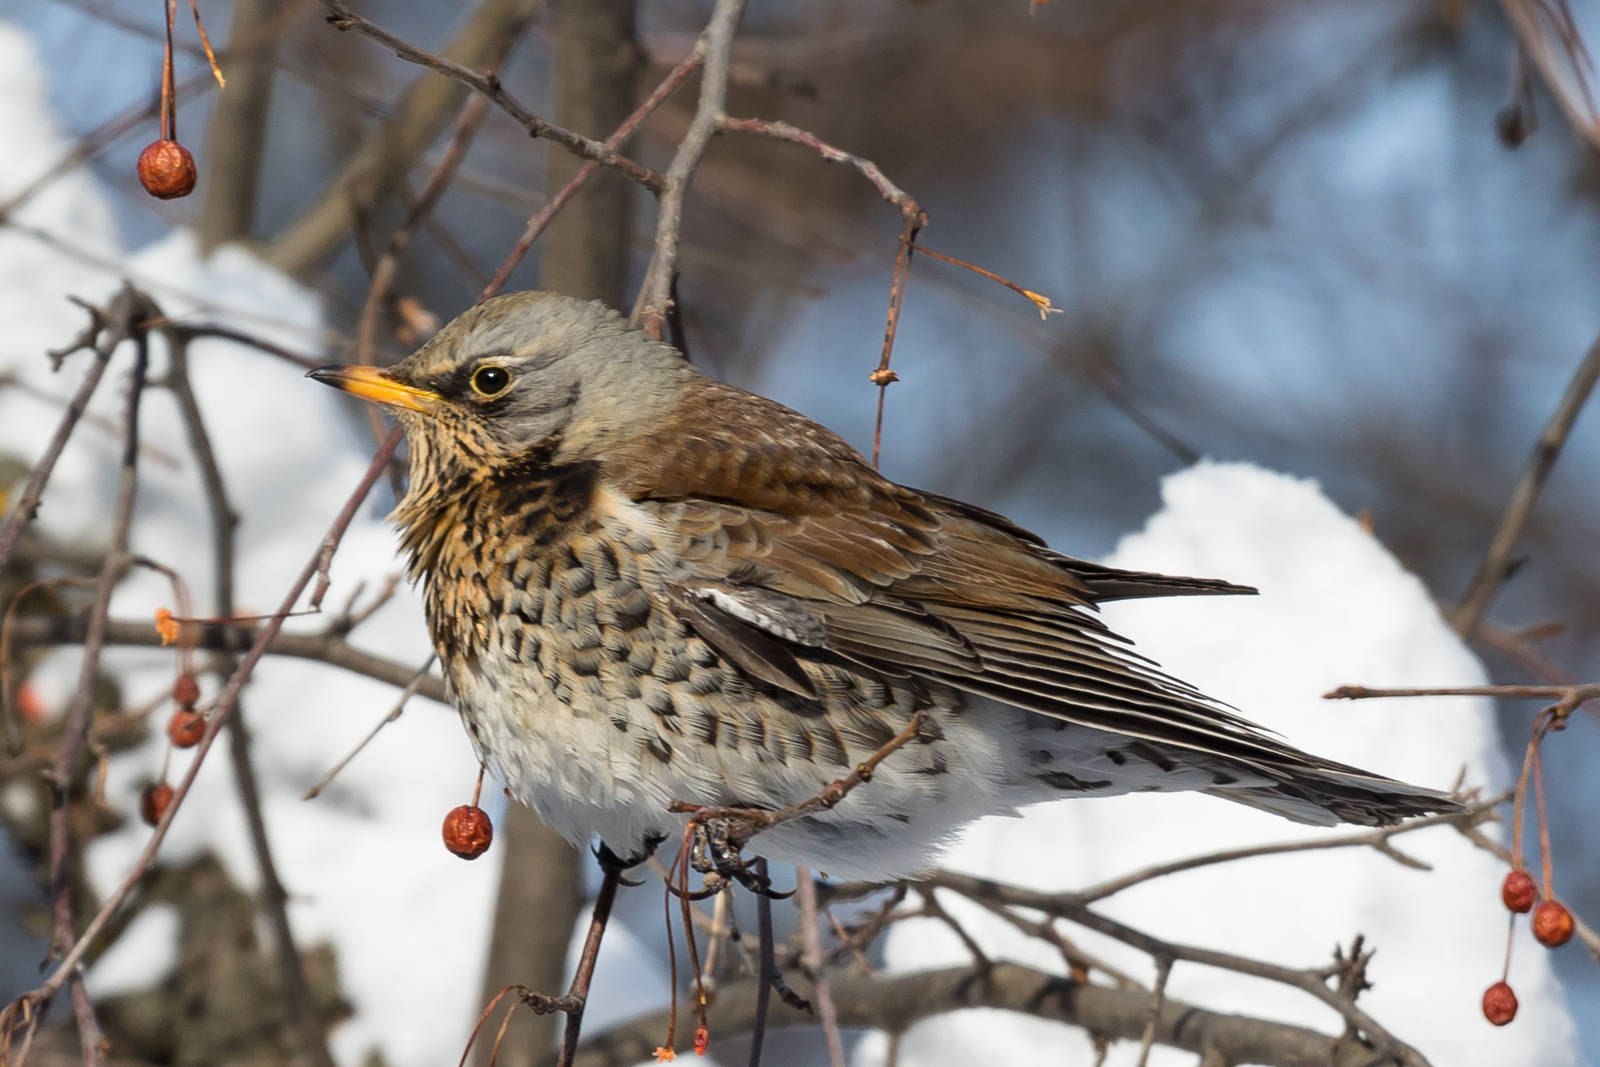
(185, 691)
(153, 801)
(1552, 924)
(702, 1039)
(1518, 891)
(166, 169)
(468, 831)
(185, 728)
(1499, 1004)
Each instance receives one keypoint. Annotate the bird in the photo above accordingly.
(649, 589)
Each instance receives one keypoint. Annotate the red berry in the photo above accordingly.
(1519, 892)
(185, 691)
(153, 802)
(185, 728)
(166, 170)
(1552, 924)
(702, 1039)
(468, 831)
(1499, 1004)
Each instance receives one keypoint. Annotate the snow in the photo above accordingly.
(1335, 607)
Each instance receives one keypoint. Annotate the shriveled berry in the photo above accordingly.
(186, 691)
(468, 831)
(186, 728)
(1552, 924)
(702, 1039)
(1518, 891)
(1499, 1004)
(166, 170)
(153, 802)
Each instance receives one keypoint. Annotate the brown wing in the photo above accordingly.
(786, 530)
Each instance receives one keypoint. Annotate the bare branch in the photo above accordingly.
(897, 1003)
(650, 310)
(1496, 565)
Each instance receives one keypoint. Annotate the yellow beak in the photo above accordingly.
(370, 383)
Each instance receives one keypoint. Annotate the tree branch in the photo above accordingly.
(897, 1003)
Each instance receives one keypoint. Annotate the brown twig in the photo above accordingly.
(753, 821)
(26, 1007)
(716, 44)
(882, 376)
(914, 220)
(388, 264)
(811, 963)
(1040, 302)
(117, 324)
(395, 712)
(1308, 981)
(236, 637)
(1497, 564)
(897, 1003)
(274, 898)
(783, 131)
(1380, 839)
(1567, 698)
(341, 17)
(80, 711)
(541, 219)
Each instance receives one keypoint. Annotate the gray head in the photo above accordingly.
(523, 374)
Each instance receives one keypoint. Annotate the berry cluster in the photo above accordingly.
(185, 729)
(1553, 925)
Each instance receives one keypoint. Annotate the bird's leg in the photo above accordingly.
(577, 994)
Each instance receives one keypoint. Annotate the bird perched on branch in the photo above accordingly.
(648, 587)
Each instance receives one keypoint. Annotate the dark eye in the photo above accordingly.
(490, 381)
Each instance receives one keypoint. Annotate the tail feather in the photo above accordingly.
(1329, 795)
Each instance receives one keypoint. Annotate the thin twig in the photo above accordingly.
(1497, 564)
(328, 648)
(394, 713)
(882, 376)
(80, 711)
(220, 712)
(1307, 981)
(274, 898)
(1567, 697)
(811, 962)
(655, 294)
(388, 265)
(117, 323)
(767, 969)
(542, 218)
(341, 17)
(896, 1003)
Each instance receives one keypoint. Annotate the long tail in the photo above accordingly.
(1322, 793)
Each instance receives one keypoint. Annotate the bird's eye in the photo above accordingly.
(490, 381)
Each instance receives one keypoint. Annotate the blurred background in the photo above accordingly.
(1338, 239)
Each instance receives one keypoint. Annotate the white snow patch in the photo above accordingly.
(1334, 608)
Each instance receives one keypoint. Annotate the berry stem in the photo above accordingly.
(1519, 802)
(1545, 863)
(1511, 929)
(169, 103)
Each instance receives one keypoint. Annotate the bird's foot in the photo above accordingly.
(610, 861)
(716, 837)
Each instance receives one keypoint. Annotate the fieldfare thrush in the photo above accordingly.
(646, 586)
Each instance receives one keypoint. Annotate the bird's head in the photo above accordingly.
(522, 376)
